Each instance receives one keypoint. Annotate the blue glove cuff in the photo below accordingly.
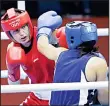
(45, 31)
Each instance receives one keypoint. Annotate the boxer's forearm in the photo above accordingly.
(47, 49)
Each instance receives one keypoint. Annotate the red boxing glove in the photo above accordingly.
(14, 58)
(60, 34)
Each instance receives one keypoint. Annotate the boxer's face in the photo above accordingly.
(21, 35)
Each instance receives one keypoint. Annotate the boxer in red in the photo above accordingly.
(22, 51)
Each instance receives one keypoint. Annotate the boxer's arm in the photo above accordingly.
(47, 49)
(45, 29)
(96, 70)
(14, 58)
(13, 76)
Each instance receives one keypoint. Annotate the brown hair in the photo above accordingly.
(88, 47)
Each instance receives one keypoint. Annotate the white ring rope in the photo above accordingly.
(21, 5)
(53, 87)
(100, 31)
(103, 31)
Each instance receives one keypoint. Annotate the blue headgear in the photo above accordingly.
(78, 32)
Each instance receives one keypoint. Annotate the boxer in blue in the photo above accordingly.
(79, 63)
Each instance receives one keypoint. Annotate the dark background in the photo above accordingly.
(62, 7)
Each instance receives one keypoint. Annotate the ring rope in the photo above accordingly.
(100, 31)
(53, 87)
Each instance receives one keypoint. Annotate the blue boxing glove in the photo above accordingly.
(48, 22)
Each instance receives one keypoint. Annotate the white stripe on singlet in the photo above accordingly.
(83, 92)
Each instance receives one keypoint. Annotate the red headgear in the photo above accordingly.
(60, 34)
(12, 21)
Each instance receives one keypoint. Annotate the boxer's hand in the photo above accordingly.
(14, 58)
(60, 34)
(48, 22)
